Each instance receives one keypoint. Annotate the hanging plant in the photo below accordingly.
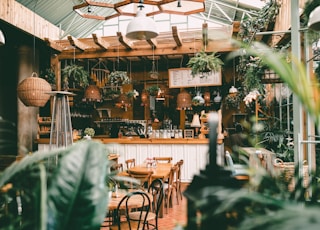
(202, 63)
(132, 94)
(75, 74)
(153, 90)
(250, 26)
(117, 78)
(233, 100)
(48, 75)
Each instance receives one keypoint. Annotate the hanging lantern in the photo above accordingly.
(33, 91)
(184, 101)
(207, 98)
(123, 102)
(144, 98)
(92, 93)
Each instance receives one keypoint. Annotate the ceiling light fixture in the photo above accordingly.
(233, 89)
(314, 19)
(141, 27)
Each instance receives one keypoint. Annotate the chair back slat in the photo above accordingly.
(122, 215)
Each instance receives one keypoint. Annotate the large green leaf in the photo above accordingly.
(77, 195)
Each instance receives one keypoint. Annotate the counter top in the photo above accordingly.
(139, 140)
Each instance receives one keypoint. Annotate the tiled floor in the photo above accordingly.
(177, 215)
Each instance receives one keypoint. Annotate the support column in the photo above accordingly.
(27, 116)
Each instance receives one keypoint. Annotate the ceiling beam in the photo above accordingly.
(54, 45)
(125, 42)
(190, 48)
(100, 42)
(176, 36)
(153, 43)
(76, 43)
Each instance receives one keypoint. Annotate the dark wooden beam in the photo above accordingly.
(125, 42)
(76, 43)
(176, 36)
(100, 42)
(54, 45)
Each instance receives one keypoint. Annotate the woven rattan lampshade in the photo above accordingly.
(92, 93)
(207, 98)
(33, 91)
(123, 101)
(144, 98)
(184, 101)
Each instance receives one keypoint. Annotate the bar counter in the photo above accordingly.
(194, 152)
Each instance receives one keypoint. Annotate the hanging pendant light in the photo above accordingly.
(184, 101)
(153, 73)
(198, 100)
(141, 27)
(92, 93)
(314, 19)
(144, 98)
(207, 99)
(233, 89)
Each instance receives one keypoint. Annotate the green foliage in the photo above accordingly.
(69, 195)
(153, 90)
(48, 75)
(89, 131)
(117, 78)
(203, 62)
(75, 74)
(250, 26)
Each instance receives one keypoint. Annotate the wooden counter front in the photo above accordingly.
(194, 152)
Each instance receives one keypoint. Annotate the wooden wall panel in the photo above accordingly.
(283, 21)
(23, 18)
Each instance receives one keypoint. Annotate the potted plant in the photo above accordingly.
(76, 75)
(89, 133)
(118, 78)
(153, 90)
(49, 76)
(203, 63)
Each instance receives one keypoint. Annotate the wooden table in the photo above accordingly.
(134, 202)
(259, 156)
(161, 171)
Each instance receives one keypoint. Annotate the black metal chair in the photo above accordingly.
(156, 190)
(123, 219)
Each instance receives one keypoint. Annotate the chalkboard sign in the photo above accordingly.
(182, 78)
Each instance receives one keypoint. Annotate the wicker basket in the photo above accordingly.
(32, 91)
(286, 170)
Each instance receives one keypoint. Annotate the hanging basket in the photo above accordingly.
(33, 90)
(286, 171)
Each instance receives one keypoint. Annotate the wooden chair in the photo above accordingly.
(163, 159)
(177, 182)
(123, 220)
(144, 178)
(117, 167)
(156, 189)
(169, 187)
(130, 163)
